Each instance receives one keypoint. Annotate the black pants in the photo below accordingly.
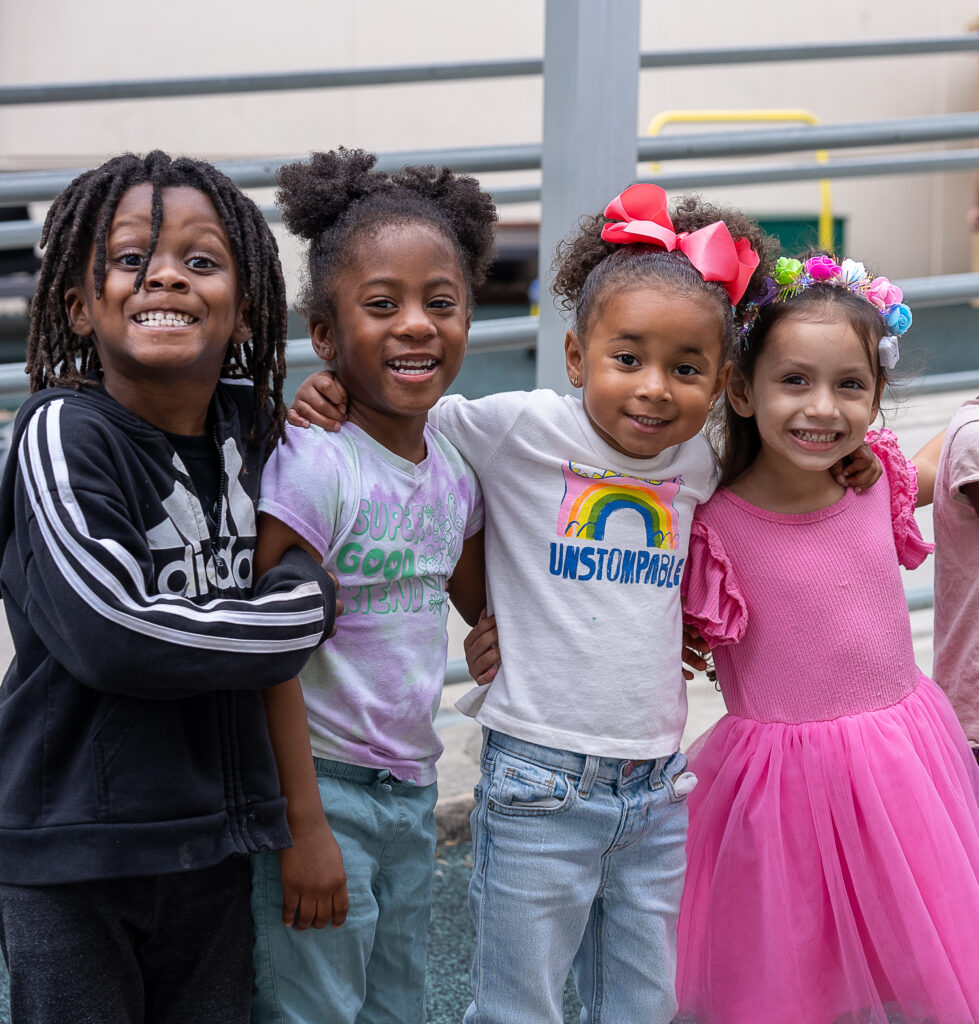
(162, 949)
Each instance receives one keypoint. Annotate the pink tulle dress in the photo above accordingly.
(833, 853)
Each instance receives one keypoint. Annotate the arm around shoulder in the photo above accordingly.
(926, 462)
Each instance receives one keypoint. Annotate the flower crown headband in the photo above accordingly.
(791, 277)
(640, 215)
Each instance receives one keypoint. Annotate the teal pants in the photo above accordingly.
(371, 970)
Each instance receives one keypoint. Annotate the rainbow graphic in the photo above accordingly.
(591, 498)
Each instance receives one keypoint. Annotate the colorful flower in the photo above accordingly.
(852, 272)
(822, 268)
(898, 317)
(765, 292)
(882, 293)
(791, 276)
(786, 271)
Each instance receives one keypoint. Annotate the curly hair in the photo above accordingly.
(736, 438)
(76, 227)
(586, 267)
(336, 199)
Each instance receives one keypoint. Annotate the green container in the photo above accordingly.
(800, 234)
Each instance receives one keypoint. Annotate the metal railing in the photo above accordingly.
(40, 186)
(211, 85)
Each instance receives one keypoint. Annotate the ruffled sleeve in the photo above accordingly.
(902, 479)
(711, 599)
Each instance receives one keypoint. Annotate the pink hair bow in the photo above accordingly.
(643, 217)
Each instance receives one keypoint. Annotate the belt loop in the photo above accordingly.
(482, 749)
(588, 776)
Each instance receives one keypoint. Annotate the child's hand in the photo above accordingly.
(319, 400)
(314, 883)
(859, 470)
(694, 648)
(482, 649)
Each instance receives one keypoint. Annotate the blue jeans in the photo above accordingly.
(578, 864)
(371, 970)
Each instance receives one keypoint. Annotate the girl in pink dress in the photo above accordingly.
(833, 853)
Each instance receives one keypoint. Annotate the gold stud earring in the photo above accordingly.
(576, 382)
(713, 402)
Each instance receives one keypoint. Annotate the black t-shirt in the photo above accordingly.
(199, 455)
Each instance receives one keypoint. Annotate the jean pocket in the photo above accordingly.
(680, 782)
(520, 787)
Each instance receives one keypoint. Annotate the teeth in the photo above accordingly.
(164, 318)
(647, 421)
(808, 435)
(410, 366)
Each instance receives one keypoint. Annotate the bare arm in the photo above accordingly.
(926, 462)
(314, 883)
(467, 585)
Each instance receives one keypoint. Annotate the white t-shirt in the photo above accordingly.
(391, 532)
(585, 550)
(957, 569)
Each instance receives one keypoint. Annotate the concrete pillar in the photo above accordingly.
(591, 97)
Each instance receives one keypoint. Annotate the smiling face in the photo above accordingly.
(650, 367)
(398, 333)
(813, 393)
(172, 334)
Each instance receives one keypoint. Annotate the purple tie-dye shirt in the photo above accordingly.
(391, 532)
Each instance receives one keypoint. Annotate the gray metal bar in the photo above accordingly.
(591, 107)
(40, 186)
(967, 43)
(19, 234)
(911, 163)
(485, 336)
(758, 141)
(31, 186)
(941, 290)
(915, 163)
(15, 234)
(933, 384)
(456, 671)
(207, 85)
(917, 598)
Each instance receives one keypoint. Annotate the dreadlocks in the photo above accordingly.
(77, 225)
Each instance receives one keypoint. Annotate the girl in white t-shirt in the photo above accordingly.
(580, 822)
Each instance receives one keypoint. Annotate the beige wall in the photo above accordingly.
(907, 225)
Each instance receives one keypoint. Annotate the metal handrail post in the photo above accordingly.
(591, 105)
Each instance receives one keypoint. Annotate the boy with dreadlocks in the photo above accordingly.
(137, 772)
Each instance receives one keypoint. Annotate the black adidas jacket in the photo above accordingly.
(133, 738)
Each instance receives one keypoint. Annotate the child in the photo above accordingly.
(956, 518)
(137, 770)
(580, 823)
(834, 840)
(386, 504)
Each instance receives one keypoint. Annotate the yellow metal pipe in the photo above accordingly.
(825, 222)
